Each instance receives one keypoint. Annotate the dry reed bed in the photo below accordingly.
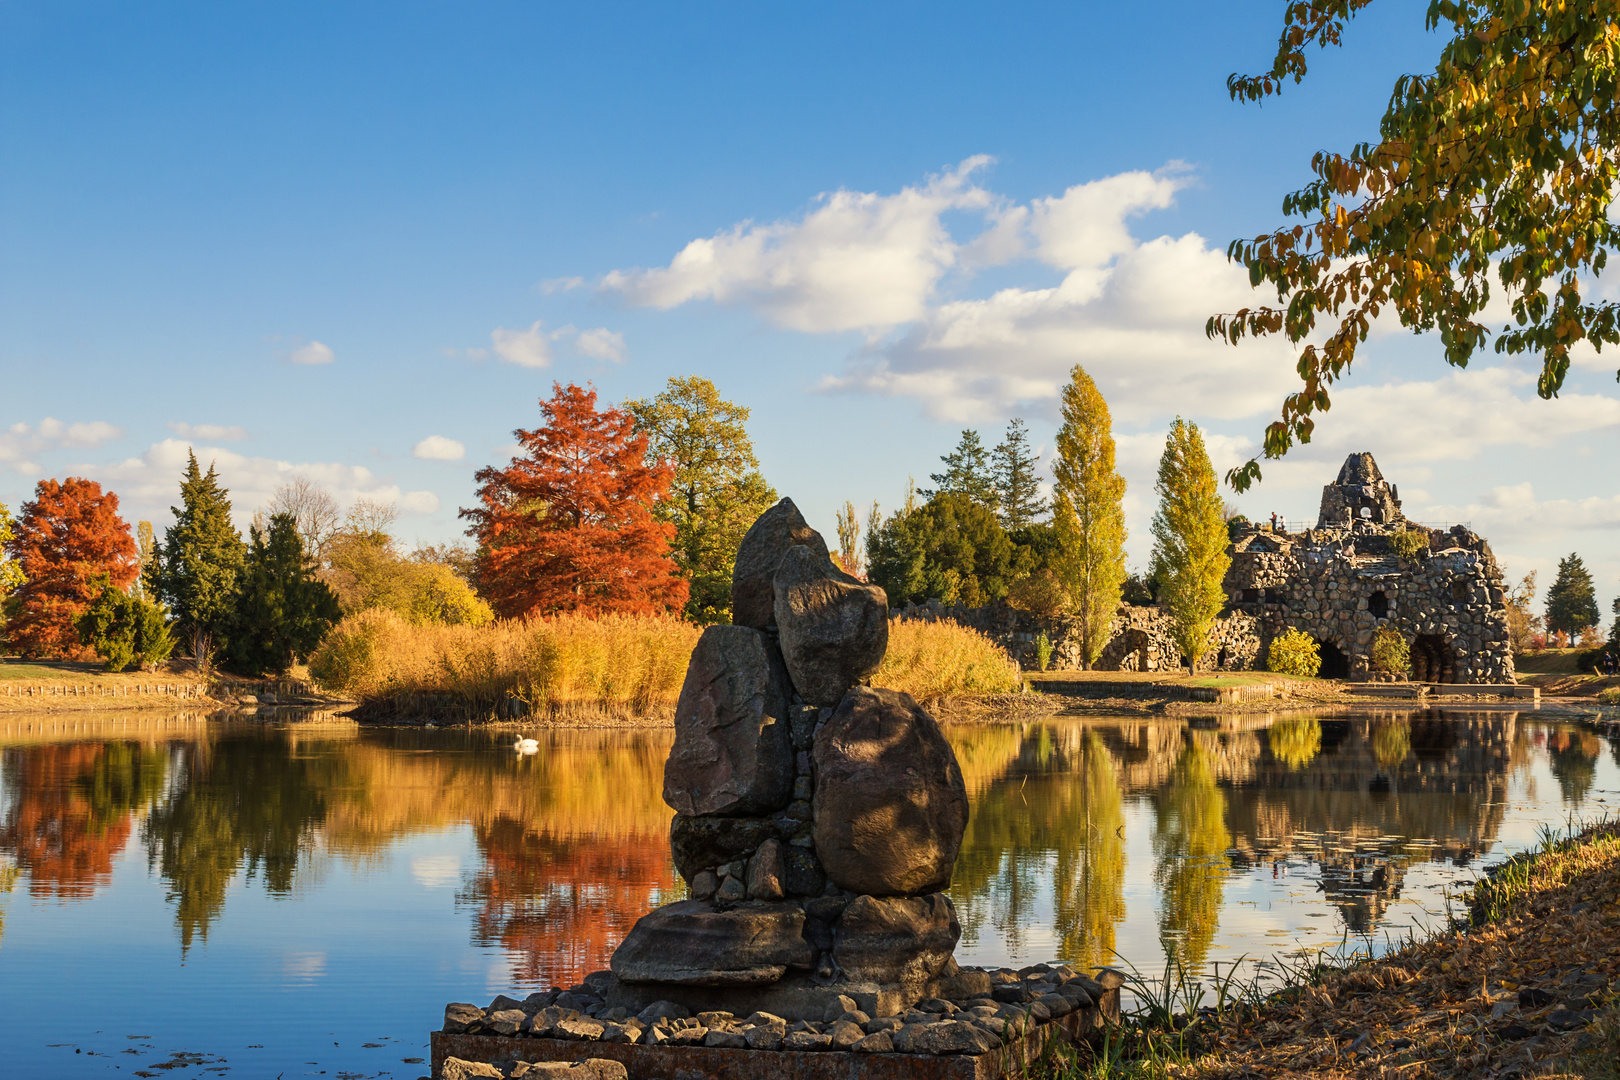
(613, 668)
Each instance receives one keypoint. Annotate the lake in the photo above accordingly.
(186, 897)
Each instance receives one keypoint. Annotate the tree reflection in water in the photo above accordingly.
(1190, 842)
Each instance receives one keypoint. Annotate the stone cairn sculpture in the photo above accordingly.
(817, 819)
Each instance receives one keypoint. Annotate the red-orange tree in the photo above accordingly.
(570, 526)
(66, 540)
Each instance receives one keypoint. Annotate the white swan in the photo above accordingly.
(527, 746)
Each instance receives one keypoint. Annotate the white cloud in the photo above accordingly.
(313, 353)
(419, 502)
(439, 448)
(20, 442)
(859, 260)
(529, 348)
(208, 432)
(601, 344)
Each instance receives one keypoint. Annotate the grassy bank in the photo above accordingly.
(1521, 984)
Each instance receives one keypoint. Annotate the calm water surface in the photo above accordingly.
(192, 898)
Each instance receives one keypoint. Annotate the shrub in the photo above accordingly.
(619, 665)
(934, 659)
(1611, 696)
(1294, 652)
(1040, 593)
(1409, 543)
(124, 629)
(1043, 650)
(1391, 654)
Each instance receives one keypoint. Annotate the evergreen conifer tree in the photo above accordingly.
(968, 471)
(1189, 535)
(1571, 602)
(283, 611)
(1018, 488)
(200, 559)
(1087, 514)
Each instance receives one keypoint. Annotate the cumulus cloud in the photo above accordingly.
(858, 260)
(419, 502)
(529, 348)
(439, 448)
(208, 432)
(601, 344)
(21, 441)
(313, 353)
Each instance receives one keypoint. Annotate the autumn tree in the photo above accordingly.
(283, 609)
(716, 491)
(1502, 163)
(200, 559)
(69, 543)
(570, 525)
(849, 555)
(1571, 602)
(969, 472)
(365, 568)
(1189, 540)
(1088, 513)
(1522, 622)
(1018, 485)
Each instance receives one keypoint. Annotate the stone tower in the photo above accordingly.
(1360, 486)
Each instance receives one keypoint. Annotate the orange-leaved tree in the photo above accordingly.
(69, 543)
(569, 526)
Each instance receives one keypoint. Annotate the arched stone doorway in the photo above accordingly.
(1136, 652)
(1433, 661)
(1335, 665)
(1378, 604)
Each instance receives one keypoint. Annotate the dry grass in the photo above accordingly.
(570, 666)
(930, 660)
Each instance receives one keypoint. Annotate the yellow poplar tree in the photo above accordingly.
(1189, 539)
(1087, 514)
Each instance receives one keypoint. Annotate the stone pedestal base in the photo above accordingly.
(800, 998)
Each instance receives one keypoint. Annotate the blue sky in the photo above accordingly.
(356, 242)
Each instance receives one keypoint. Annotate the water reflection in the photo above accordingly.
(1088, 840)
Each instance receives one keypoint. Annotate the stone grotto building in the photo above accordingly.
(1338, 582)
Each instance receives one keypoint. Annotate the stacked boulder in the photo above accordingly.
(817, 819)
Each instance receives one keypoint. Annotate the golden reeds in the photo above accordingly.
(937, 659)
(611, 667)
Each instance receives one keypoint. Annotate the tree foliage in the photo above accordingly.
(11, 574)
(1189, 539)
(570, 525)
(1571, 602)
(969, 472)
(1502, 162)
(201, 556)
(1391, 653)
(69, 543)
(716, 491)
(1523, 624)
(950, 549)
(124, 629)
(1294, 652)
(1018, 485)
(1088, 514)
(849, 556)
(314, 510)
(283, 610)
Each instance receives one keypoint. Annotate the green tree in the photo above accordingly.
(1614, 630)
(126, 629)
(849, 555)
(200, 559)
(1087, 512)
(1571, 602)
(969, 472)
(951, 549)
(1018, 486)
(1189, 539)
(718, 491)
(11, 574)
(284, 609)
(1503, 162)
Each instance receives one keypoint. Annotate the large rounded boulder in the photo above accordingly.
(733, 751)
(834, 628)
(890, 806)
